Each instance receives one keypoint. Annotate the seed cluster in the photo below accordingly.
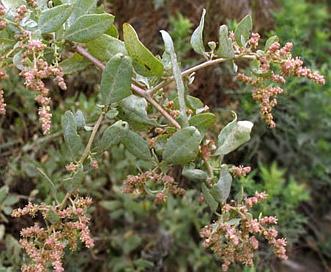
(233, 237)
(45, 245)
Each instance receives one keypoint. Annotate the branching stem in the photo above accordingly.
(137, 90)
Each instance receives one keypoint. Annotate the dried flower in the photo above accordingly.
(45, 246)
(156, 185)
(237, 242)
(2, 103)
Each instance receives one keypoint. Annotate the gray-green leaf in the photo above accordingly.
(194, 174)
(270, 41)
(3, 193)
(116, 79)
(71, 138)
(104, 47)
(221, 189)
(211, 202)
(52, 19)
(196, 38)
(89, 27)
(243, 29)
(72, 183)
(133, 110)
(74, 64)
(80, 8)
(233, 135)
(80, 119)
(225, 49)
(52, 217)
(203, 121)
(113, 134)
(143, 60)
(136, 145)
(183, 146)
(169, 47)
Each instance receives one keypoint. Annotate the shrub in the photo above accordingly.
(141, 117)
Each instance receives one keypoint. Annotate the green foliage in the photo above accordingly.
(196, 39)
(52, 19)
(225, 49)
(143, 60)
(88, 27)
(115, 84)
(182, 147)
(243, 29)
(72, 139)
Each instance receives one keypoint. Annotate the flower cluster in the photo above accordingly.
(156, 185)
(35, 68)
(2, 103)
(263, 78)
(34, 79)
(20, 13)
(45, 245)
(240, 170)
(233, 237)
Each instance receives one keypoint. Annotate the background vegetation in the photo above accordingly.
(292, 162)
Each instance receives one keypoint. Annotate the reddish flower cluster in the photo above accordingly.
(20, 13)
(2, 103)
(36, 69)
(240, 170)
(32, 3)
(267, 99)
(233, 236)
(266, 93)
(34, 79)
(3, 23)
(148, 183)
(46, 245)
(254, 40)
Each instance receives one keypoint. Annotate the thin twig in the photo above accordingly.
(196, 68)
(94, 132)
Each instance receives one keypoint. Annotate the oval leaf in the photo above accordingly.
(221, 189)
(143, 60)
(270, 41)
(136, 145)
(71, 138)
(52, 19)
(225, 49)
(211, 202)
(194, 174)
(80, 119)
(243, 29)
(80, 8)
(233, 135)
(196, 38)
(52, 217)
(3, 193)
(133, 110)
(74, 64)
(203, 121)
(113, 134)
(169, 47)
(72, 183)
(105, 47)
(116, 79)
(183, 146)
(89, 27)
